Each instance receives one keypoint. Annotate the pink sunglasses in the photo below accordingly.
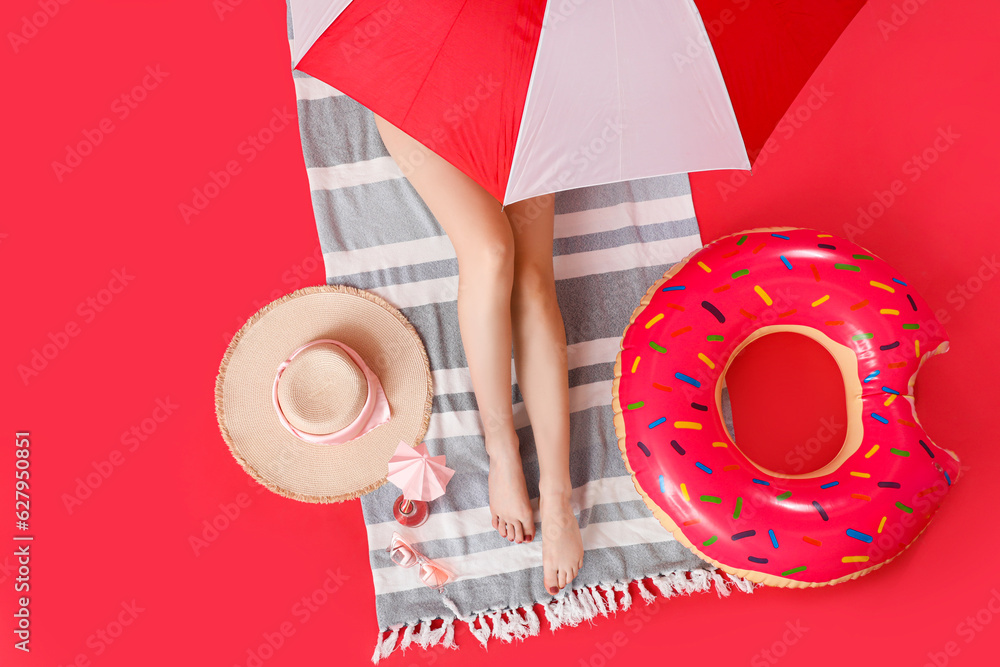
(403, 554)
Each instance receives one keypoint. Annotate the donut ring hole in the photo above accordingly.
(793, 426)
(788, 404)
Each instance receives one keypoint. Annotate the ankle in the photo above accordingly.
(556, 491)
(503, 447)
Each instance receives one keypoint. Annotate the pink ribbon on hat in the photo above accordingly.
(373, 413)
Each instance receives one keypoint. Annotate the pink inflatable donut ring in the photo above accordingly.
(830, 525)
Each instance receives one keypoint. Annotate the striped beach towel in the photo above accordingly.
(612, 242)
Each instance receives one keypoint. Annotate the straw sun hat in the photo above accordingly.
(317, 389)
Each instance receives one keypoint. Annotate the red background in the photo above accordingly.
(163, 335)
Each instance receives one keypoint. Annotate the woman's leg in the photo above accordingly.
(542, 376)
(484, 244)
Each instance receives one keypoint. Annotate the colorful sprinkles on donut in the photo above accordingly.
(833, 524)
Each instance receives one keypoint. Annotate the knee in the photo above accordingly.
(534, 282)
(493, 256)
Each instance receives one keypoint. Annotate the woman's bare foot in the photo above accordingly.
(562, 545)
(509, 504)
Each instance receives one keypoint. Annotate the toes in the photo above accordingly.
(562, 578)
(551, 582)
(510, 531)
(529, 532)
(502, 528)
(518, 532)
(496, 522)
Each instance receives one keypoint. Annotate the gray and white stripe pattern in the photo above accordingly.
(612, 242)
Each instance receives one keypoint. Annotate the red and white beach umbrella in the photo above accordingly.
(533, 97)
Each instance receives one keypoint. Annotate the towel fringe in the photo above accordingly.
(610, 597)
(744, 585)
(570, 607)
(497, 623)
(644, 592)
(577, 612)
(587, 602)
(699, 580)
(449, 635)
(518, 628)
(662, 584)
(721, 585)
(425, 634)
(482, 633)
(384, 647)
(626, 600)
(407, 639)
(534, 625)
(420, 633)
(598, 600)
(554, 612)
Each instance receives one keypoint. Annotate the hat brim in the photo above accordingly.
(273, 456)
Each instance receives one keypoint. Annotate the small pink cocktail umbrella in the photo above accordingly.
(420, 477)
